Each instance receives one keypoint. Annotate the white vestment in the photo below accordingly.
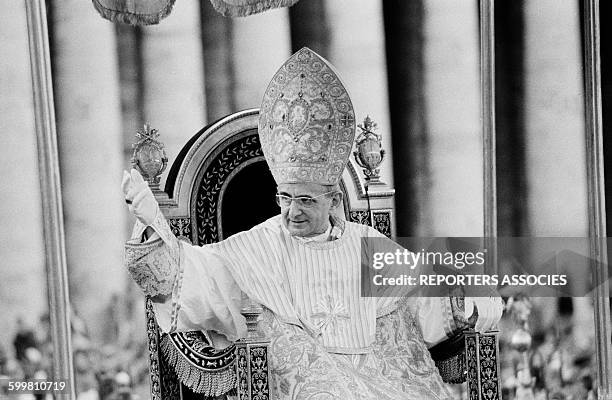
(327, 341)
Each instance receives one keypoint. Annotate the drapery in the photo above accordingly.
(243, 8)
(134, 12)
(151, 12)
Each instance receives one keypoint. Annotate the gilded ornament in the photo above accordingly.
(149, 156)
(369, 154)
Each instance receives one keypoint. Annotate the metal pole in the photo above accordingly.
(487, 115)
(596, 199)
(487, 112)
(53, 224)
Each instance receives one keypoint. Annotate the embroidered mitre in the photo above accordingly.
(306, 121)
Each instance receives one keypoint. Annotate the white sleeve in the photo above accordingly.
(207, 296)
(435, 318)
(204, 295)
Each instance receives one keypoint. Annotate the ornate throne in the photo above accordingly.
(203, 201)
(218, 168)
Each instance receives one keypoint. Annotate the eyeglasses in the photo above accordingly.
(302, 201)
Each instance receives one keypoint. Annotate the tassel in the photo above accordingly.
(233, 10)
(452, 370)
(449, 357)
(132, 18)
(208, 382)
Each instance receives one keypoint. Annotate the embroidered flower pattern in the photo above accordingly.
(329, 312)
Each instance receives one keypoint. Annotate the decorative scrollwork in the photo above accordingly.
(242, 373)
(381, 220)
(164, 383)
(170, 385)
(489, 378)
(181, 227)
(359, 217)
(153, 338)
(472, 367)
(482, 366)
(260, 385)
(252, 362)
(209, 188)
(200, 366)
(195, 347)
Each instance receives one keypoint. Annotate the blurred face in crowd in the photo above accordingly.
(305, 207)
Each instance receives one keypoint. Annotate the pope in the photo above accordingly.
(303, 266)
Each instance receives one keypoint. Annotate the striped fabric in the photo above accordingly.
(315, 285)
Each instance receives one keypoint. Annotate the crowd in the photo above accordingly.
(560, 362)
(110, 372)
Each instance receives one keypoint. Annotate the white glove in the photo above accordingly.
(490, 310)
(139, 197)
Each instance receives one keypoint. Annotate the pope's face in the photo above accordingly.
(310, 217)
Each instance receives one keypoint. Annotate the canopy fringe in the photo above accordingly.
(243, 10)
(132, 18)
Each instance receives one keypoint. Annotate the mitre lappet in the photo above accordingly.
(306, 121)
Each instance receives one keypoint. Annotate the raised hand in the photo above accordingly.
(139, 197)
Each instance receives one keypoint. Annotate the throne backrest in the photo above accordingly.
(220, 184)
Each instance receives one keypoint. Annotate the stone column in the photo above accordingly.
(217, 33)
(310, 26)
(129, 54)
(91, 156)
(404, 24)
(510, 117)
(173, 83)
(555, 119)
(452, 109)
(127, 309)
(361, 63)
(261, 44)
(23, 283)
(555, 131)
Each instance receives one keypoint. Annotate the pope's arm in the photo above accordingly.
(438, 318)
(433, 315)
(190, 286)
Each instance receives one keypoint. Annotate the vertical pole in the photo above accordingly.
(487, 115)
(487, 107)
(48, 167)
(596, 199)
